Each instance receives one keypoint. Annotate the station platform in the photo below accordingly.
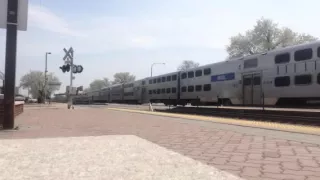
(121, 144)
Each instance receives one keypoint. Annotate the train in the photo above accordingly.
(283, 76)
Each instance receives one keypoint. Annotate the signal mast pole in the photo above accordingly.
(71, 78)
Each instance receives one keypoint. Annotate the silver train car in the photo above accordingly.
(286, 76)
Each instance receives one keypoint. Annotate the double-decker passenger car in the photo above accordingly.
(283, 76)
(163, 88)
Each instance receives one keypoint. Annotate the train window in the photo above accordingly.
(150, 81)
(158, 91)
(319, 52)
(128, 94)
(183, 89)
(190, 74)
(143, 82)
(128, 85)
(168, 78)
(198, 88)
(318, 78)
(174, 90)
(247, 81)
(282, 81)
(154, 91)
(183, 75)
(198, 73)
(207, 87)
(256, 80)
(154, 81)
(282, 58)
(150, 91)
(163, 79)
(174, 77)
(303, 79)
(159, 80)
(163, 91)
(250, 63)
(190, 88)
(207, 71)
(303, 54)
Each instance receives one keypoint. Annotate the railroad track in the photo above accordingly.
(288, 117)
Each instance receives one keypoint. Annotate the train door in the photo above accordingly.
(143, 95)
(109, 97)
(252, 89)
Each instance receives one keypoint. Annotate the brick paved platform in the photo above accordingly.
(102, 157)
(242, 153)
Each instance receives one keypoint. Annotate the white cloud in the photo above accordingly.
(98, 33)
(43, 18)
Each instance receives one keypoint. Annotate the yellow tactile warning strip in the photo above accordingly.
(258, 124)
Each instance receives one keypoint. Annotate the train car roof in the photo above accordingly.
(278, 50)
(166, 74)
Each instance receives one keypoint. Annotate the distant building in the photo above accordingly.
(16, 90)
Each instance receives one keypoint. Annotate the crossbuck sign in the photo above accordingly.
(69, 55)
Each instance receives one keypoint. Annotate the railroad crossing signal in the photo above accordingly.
(65, 68)
(77, 69)
(68, 61)
(69, 66)
(69, 54)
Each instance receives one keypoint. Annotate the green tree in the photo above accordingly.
(265, 36)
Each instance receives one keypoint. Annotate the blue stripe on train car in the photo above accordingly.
(223, 77)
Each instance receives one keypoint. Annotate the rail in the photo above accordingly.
(288, 117)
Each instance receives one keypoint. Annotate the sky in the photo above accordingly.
(110, 36)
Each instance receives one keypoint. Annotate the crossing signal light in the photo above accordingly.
(65, 68)
(77, 69)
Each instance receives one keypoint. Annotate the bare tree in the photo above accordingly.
(187, 64)
(123, 77)
(98, 84)
(86, 90)
(34, 82)
(265, 36)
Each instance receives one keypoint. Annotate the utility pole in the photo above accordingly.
(45, 76)
(10, 64)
